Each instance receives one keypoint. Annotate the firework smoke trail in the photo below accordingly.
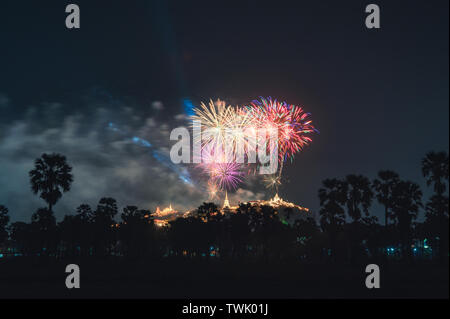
(183, 174)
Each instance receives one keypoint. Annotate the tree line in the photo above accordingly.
(345, 231)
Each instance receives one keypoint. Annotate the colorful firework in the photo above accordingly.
(213, 189)
(222, 175)
(290, 121)
(227, 175)
(225, 133)
(223, 128)
(213, 119)
(272, 181)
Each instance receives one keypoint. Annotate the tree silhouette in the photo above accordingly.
(70, 229)
(85, 213)
(251, 232)
(383, 187)
(51, 177)
(206, 210)
(407, 200)
(306, 231)
(435, 170)
(43, 226)
(358, 197)
(136, 231)
(104, 225)
(4, 220)
(76, 231)
(332, 198)
(437, 224)
(332, 214)
(239, 230)
(372, 235)
(85, 218)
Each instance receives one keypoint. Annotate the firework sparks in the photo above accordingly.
(224, 128)
(227, 175)
(272, 181)
(212, 190)
(222, 175)
(291, 122)
(214, 119)
(225, 133)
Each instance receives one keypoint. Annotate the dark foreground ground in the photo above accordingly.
(28, 278)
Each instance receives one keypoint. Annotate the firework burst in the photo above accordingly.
(227, 131)
(290, 121)
(213, 190)
(227, 175)
(223, 175)
(272, 181)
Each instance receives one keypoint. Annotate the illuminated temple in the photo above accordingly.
(278, 202)
(164, 216)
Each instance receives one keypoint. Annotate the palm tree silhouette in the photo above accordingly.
(435, 170)
(103, 225)
(358, 199)
(359, 196)
(332, 214)
(407, 200)
(51, 177)
(437, 224)
(383, 187)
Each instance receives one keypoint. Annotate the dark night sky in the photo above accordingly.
(379, 97)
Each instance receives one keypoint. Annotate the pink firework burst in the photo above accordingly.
(291, 122)
(227, 175)
(224, 175)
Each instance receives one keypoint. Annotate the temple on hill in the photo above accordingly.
(164, 216)
(166, 211)
(275, 202)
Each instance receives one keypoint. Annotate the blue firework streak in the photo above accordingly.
(182, 173)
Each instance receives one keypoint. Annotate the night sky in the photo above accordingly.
(379, 97)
